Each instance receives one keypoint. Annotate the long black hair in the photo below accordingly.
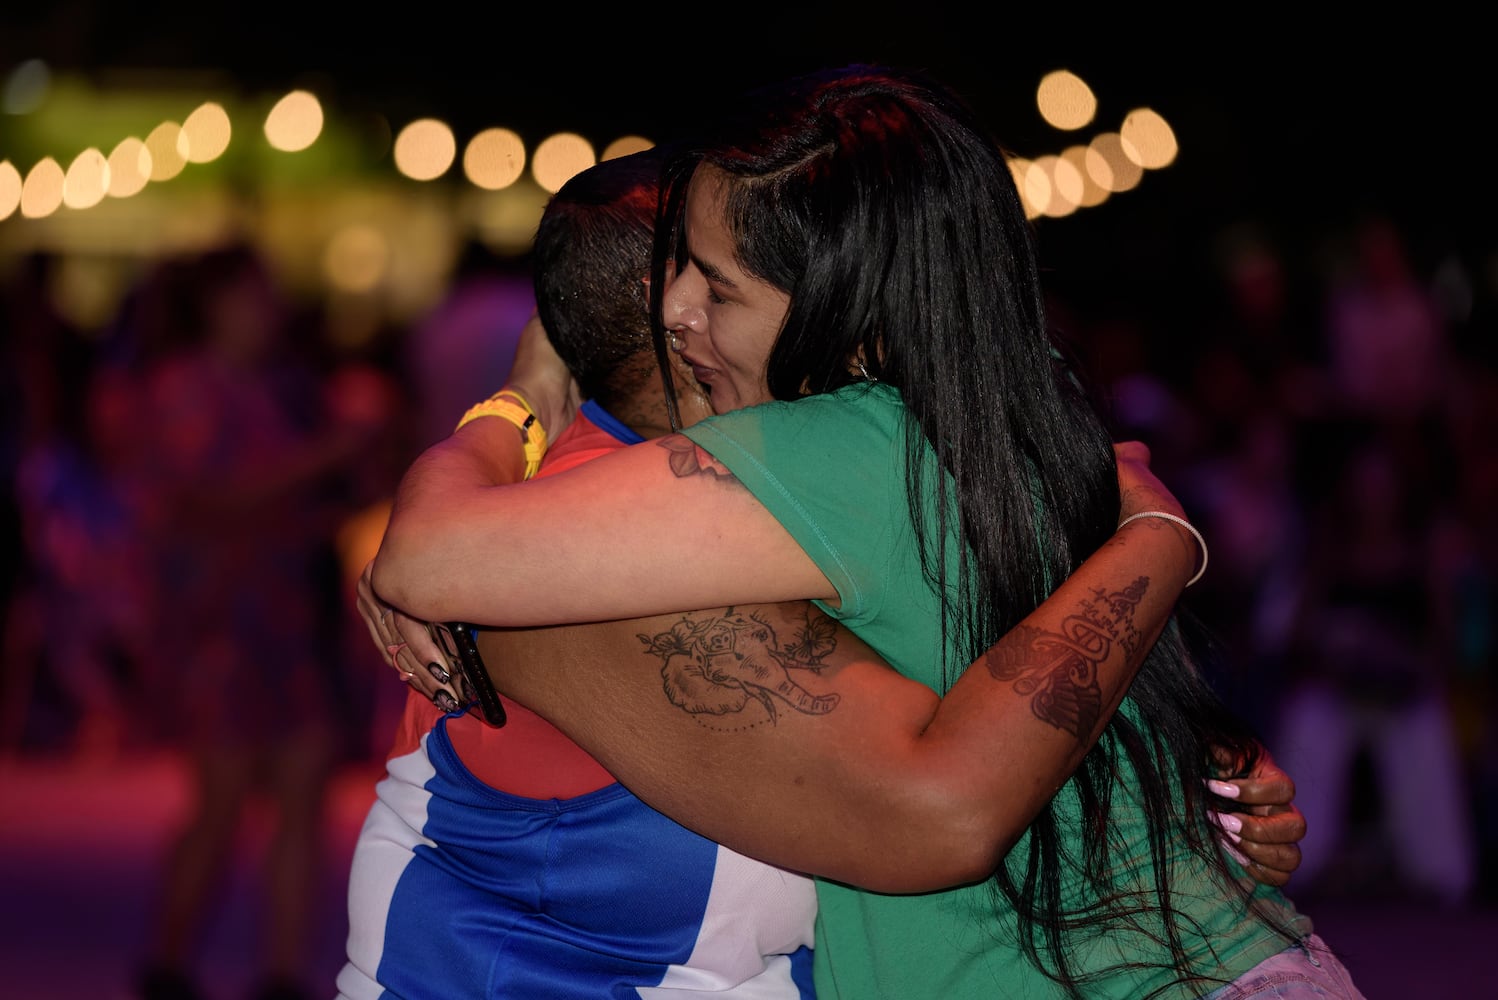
(878, 202)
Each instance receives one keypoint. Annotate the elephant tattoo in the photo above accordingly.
(727, 663)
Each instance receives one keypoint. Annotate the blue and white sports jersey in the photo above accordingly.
(459, 890)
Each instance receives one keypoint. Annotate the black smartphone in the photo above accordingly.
(459, 645)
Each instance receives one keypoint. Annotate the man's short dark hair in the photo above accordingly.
(590, 257)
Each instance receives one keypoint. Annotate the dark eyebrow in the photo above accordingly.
(712, 273)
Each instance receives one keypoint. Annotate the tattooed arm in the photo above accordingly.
(889, 787)
(777, 732)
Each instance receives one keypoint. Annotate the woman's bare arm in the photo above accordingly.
(667, 528)
(813, 753)
(779, 733)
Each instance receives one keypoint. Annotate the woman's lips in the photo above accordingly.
(700, 372)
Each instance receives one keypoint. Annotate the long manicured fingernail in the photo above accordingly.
(1224, 788)
(437, 671)
(1236, 854)
(444, 701)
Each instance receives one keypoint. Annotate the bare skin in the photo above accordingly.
(768, 701)
(945, 787)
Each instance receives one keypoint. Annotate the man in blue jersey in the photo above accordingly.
(506, 862)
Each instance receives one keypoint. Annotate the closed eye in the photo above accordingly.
(714, 277)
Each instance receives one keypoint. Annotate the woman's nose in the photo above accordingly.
(681, 311)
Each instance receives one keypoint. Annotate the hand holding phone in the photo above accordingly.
(459, 645)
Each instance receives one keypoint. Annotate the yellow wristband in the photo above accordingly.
(512, 406)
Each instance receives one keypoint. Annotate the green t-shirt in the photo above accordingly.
(831, 469)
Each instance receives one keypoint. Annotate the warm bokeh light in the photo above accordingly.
(167, 160)
(624, 145)
(1112, 164)
(1093, 193)
(1065, 101)
(498, 195)
(425, 149)
(205, 134)
(86, 180)
(559, 157)
(41, 192)
(1149, 139)
(494, 159)
(356, 258)
(1034, 185)
(1065, 184)
(10, 189)
(295, 122)
(129, 168)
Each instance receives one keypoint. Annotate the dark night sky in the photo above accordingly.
(1294, 126)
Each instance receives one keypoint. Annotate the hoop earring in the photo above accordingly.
(864, 371)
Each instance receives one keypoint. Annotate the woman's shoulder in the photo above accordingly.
(849, 432)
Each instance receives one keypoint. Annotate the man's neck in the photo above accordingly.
(644, 413)
(640, 403)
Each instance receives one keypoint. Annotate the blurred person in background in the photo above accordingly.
(1247, 383)
(1369, 649)
(1369, 634)
(1388, 341)
(84, 619)
(77, 623)
(248, 446)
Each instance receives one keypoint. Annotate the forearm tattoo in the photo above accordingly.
(1059, 670)
(730, 670)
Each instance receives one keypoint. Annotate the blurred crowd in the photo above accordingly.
(1330, 426)
(189, 492)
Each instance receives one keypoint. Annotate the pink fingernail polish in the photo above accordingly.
(1226, 789)
(1232, 824)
